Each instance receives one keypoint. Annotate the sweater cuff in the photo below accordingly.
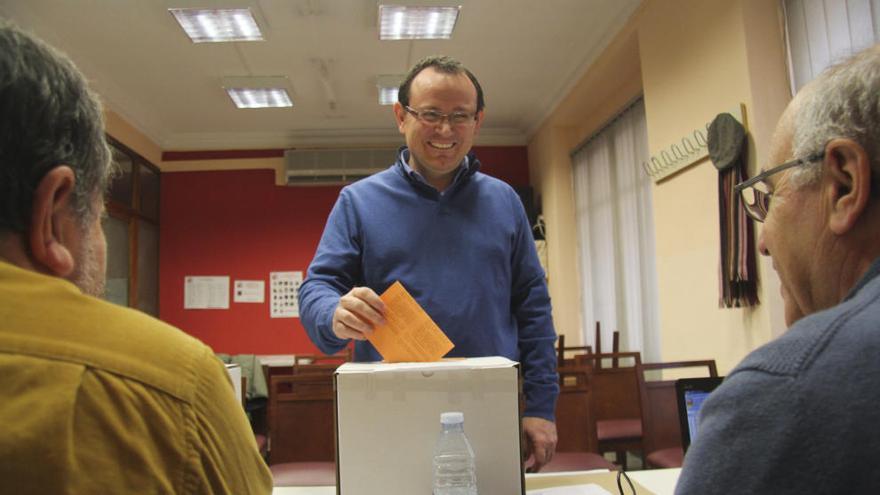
(541, 402)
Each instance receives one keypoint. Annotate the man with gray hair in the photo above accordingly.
(800, 414)
(96, 398)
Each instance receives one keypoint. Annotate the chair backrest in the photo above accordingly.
(566, 355)
(574, 411)
(320, 363)
(615, 345)
(301, 418)
(615, 389)
(660, 421)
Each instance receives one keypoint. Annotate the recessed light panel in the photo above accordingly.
(388, 85)
(400, 22)
(260, 97)
(217, 25)
(388, 96)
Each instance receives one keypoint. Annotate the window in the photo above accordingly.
(822, 32)
(616, 234)
(132, 229)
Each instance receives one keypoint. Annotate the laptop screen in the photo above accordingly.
(690, 394)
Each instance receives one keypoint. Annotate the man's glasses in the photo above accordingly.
(433, 117)
(756, 193)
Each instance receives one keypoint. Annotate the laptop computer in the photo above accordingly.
(690, 394)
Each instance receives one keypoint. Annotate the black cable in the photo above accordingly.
(628, 482)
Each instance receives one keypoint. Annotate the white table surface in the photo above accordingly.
(659, 481)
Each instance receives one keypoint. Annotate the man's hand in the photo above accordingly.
(540, 441)
(357, 313)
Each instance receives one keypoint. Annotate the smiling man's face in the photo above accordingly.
(436, 150)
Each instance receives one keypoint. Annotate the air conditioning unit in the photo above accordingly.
(335, 166)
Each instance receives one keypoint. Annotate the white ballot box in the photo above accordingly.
(388, 421)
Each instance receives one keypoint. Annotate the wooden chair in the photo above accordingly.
(301, 412)
(577, 447)
(615, 344)
(617, 403)
(660, 421)
(320, 363)
(304, 474)
(562, 350)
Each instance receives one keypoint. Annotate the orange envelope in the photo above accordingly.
(409, 334)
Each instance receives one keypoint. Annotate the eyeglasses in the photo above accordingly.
(433, 117)
(756, 192)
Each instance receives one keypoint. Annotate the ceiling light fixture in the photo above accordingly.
(401, 22)
(388, 86)
(218, 25)
(258, 92)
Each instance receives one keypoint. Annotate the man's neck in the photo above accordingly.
(13, 250)
(439, 181)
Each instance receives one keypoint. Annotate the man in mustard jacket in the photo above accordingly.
(96, 398)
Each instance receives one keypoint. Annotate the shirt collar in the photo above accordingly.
(466, 168)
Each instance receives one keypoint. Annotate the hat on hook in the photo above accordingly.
(726, 138)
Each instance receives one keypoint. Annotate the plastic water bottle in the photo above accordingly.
(454, 467)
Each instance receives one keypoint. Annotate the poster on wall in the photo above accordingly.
(249, 291)
(205, 292)
(284, 293)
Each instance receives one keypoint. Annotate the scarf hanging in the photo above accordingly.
(738, 277)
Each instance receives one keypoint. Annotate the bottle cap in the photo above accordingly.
(451, 418)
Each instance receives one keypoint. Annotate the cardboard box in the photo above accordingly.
(388, 421)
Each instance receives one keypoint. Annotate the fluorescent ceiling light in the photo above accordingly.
(388, 86)
(400, 22)
(258, 92)
(213, 25)
(260, 97)
(388, 96)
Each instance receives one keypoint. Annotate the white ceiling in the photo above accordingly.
(526, 53)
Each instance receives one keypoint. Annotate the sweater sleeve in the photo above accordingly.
(530, 303)
(334, 271)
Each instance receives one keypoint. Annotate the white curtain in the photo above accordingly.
(616, 236)
(822, 32)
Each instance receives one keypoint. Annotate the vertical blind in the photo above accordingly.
(823, 32)
(615, 230)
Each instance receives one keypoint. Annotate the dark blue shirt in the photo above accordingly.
(467, 255)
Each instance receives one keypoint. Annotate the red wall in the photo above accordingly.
(240, 224)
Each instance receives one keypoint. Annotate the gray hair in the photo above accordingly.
(440, 63)
(842, 102)
(48, 117)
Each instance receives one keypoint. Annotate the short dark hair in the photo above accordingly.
(48, 117)
(440, 63)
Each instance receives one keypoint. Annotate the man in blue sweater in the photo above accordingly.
(457, 239)
(800, 414)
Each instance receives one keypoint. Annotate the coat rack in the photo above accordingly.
(689, 150)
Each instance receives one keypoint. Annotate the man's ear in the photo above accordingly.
(847, 183)
(399, 116)
(480, 115)
(51, 221)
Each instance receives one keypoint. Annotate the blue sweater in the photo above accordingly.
(466, 255)
(800, 414)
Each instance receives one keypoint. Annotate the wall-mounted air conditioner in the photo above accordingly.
(335, 166)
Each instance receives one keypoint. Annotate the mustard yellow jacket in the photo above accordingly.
(100, 399)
